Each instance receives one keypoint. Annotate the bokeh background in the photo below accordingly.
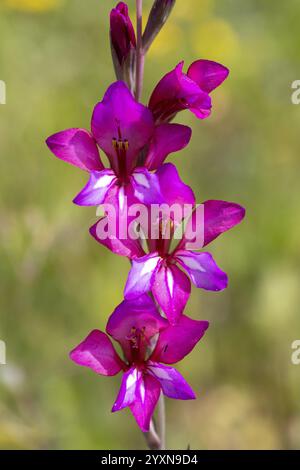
(57, 284)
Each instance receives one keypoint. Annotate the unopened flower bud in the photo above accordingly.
(123, 42)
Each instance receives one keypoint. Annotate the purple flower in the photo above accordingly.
(148, 343)
(167, 271)
(122, 39)
(177, 91)
(124, 129)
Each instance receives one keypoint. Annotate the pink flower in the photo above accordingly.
(124, 129)
(148, 343)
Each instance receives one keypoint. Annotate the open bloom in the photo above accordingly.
(177, 91)
(167, 271)
(148, 343)
(124, 129)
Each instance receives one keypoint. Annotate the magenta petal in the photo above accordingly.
(119, 200)
(140, 277)
(95, 191)
(77, 147)
(128, 390)
(140, 392)
(120, 246)
(220, 216)
(173, 189)
(147, 394)
(167, 138)
(207, 74)
(172, 383)
(146, 187)
(203, 270)
(171, 289)
(119, 116)
(97, 353)
(176, 341)
(141, 314)
(202, 107)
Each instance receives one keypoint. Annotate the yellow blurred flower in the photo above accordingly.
(215, 39)
(172, 34)
(32, 5)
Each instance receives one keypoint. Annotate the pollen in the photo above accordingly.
(120, 144)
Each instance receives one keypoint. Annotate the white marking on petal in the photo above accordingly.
(141, 179)
(149, 265)
(131, 379)
(130, 385)
(160, 373)
(142, 391)
(170, 281)
(104, 181)
(121, 198)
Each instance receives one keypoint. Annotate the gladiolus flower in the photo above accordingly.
(148, 343)
(177, 91)
(124, 129)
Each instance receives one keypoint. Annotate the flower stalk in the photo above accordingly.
(152, 438)
(140, 56)
(161, 422)
(156, 436)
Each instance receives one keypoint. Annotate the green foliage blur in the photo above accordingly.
(56, 282)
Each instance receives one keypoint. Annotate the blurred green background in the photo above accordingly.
(57, 284)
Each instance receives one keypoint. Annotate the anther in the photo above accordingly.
(120, 144)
